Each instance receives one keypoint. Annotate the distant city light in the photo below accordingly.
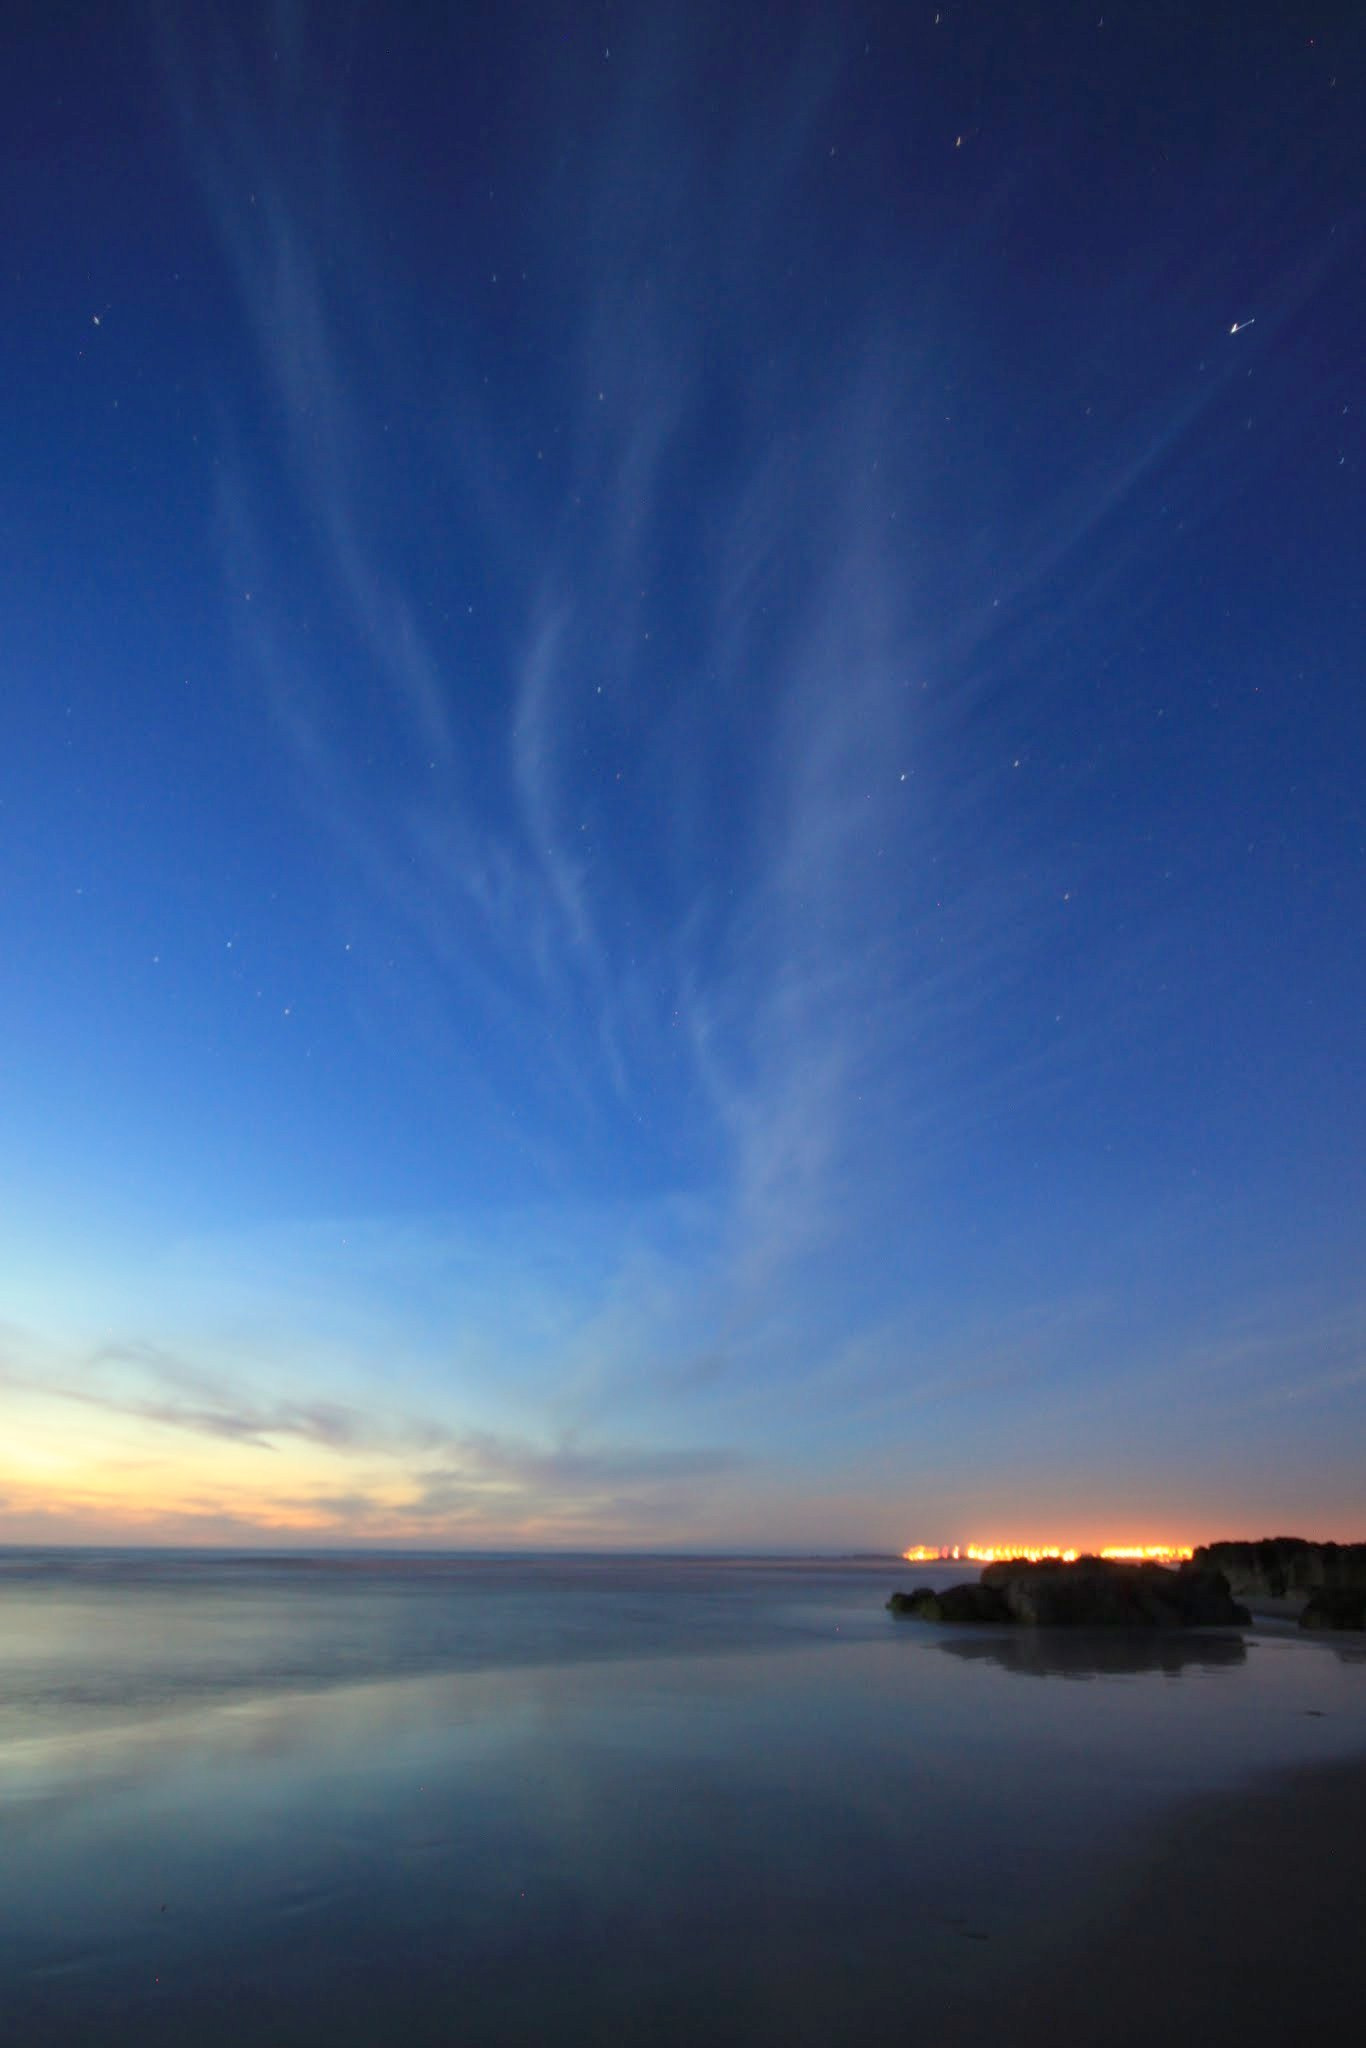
(1036, 1553)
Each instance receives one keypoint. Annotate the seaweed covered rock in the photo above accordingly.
(951, 1603)
(1095, 1592)
(1088, 1592)
(1279, 1567)
(1205, 1597)
(1335, 1607)
(914, 1602)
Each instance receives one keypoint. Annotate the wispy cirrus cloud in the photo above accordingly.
(644, 698)
(738, 1006)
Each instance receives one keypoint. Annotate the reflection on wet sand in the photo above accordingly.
(642, 1803)
(1100, 1653)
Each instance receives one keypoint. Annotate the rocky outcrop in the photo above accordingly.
(1280, 1567)
(1101, 1592)
(1092, 1592)
(952, 1603)
(1335, 1607)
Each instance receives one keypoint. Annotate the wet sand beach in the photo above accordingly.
(333, 1803)
(1241, 1920)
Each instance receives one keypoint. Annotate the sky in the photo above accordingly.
(682, 774)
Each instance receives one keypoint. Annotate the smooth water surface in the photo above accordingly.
(341, 1800)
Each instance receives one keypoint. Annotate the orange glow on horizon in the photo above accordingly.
(1037, 1553)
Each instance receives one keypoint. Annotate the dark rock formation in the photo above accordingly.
(1279, 1567)
(952, 1603)
(1335, 1607)
(1103, 1592)
(1093, 1592)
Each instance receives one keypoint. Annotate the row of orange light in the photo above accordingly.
(1032, 1553)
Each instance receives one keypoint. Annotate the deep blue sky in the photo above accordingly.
(683, 772)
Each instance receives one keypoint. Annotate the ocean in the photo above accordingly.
(344, 1799)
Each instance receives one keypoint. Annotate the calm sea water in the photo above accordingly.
(338, 1800)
